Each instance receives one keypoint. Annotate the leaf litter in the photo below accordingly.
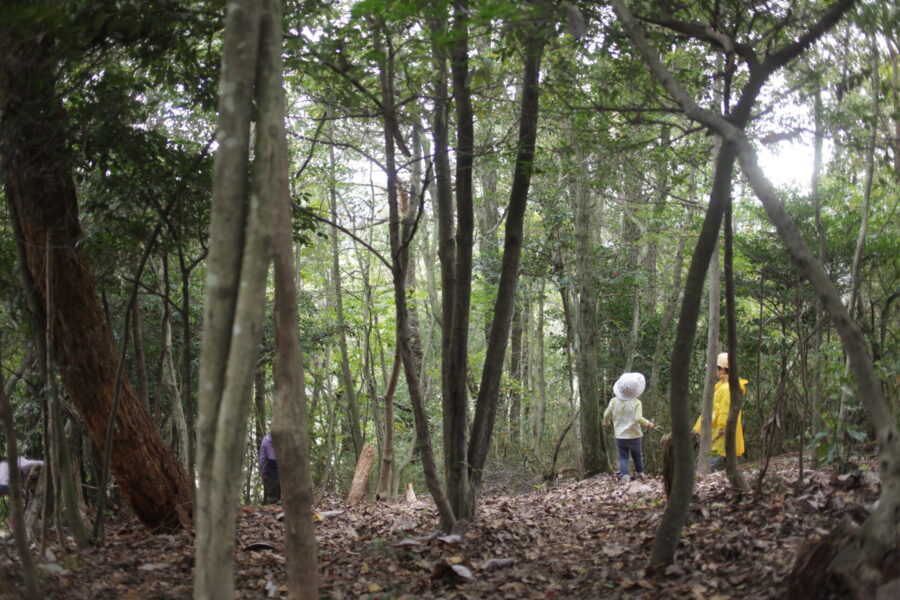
(584, 539)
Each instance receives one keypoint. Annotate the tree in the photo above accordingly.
(289, 427)
(43, 202)
(856, 561)
(240, 248)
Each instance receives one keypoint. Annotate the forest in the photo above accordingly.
(422, 244)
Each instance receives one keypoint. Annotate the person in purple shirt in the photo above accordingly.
(268, 470)
(25, 467)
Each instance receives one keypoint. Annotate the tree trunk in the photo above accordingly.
(346, 375)
(709, 379)
(289, 427)
(870, 176)
(668, 315)
(361, 475)
(537, 429)
(387, 453)
(169, 384)
(259, 405)
(587, 336)
(895, 94)
(140, 362)
(239, 252)
(401, 231)
(42, 193)
(489, 389)
(16, 508)
(816, 197)
(443, 199)
(855, 562)
(856, 267)
(187, 354)
(515, 375)
(564, 283)
(736, 396)
(459, 296)
(62, 460)
(859, 561)
(633, 232)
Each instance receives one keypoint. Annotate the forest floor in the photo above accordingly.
(586, 539)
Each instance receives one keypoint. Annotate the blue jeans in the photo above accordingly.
(633, 447)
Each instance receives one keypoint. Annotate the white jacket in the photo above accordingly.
(626, 416)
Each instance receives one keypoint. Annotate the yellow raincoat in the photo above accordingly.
(721, 404)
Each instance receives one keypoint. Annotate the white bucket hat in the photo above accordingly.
(629, 385)
(722, 360)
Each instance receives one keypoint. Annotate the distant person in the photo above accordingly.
(25, 467)
(625, 413)
(268, 471)
(721, 404)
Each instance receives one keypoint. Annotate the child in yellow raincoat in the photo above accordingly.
(721, 404)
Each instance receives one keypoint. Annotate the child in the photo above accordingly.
(25, 467)
(624, 411)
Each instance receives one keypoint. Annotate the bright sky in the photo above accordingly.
(788, 164)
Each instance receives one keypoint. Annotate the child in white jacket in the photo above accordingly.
(624, 411)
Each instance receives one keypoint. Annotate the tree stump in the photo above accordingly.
(361, 476)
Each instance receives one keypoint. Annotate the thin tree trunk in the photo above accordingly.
(140, 363)
(186, 364)
(289, 427)
(53, 422)
(632, 231)
(856, 267)
(259, 405)
(563, 281)
(401, 232)
(346, 375)
(29, 573)
(537, 430)
(815, 192)
(802, 352)
(489, 389)
(736, 396)
(62, 460)
(239, 252)
(870, 176)
(443, 199)
(709, 379)
(895, 94)
(515, 375)
(387, 453)
(169, 383)
(587, 337)
(455, 402)
(668, 315)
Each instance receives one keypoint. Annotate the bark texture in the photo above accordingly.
(239, 251)
(361, 475)
(289, 425)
